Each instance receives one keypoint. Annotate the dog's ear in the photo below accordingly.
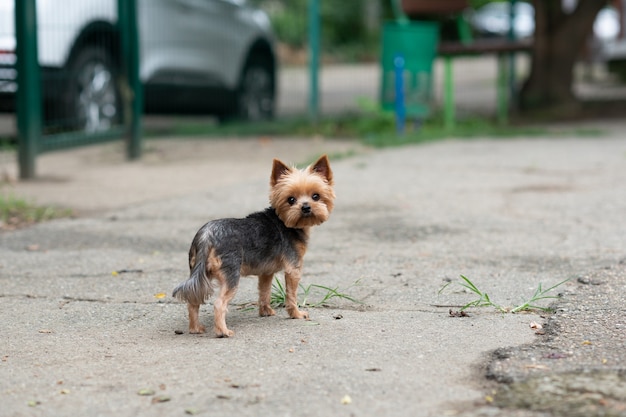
(322, 167)
(278, 170)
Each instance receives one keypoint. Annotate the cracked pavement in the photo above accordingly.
(83, 332)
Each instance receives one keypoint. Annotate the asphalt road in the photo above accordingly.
(85, 332)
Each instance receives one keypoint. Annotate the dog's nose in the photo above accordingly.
(306, 209)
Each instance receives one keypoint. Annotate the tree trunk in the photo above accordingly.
(559, 40)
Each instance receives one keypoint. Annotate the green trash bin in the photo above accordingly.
(416, 42)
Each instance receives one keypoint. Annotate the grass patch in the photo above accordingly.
(324, 295)
(371, 125)
(484, 300)
(16, 213)
(376, 129)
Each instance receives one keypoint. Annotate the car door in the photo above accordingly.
(191, 42)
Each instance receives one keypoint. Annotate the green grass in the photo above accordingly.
(324, 295)
(372, 126)
(484, 300)
(16, 212)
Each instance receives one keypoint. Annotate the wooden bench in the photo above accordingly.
(500, 47)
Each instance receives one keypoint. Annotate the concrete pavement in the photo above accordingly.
(84, 331)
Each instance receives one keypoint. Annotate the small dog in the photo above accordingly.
(262, 244)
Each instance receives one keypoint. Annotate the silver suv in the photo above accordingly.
(197, 56)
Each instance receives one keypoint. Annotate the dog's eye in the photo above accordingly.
(291, 201)
(315, 197)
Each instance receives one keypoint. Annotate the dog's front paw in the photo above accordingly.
(297, 314)
(266, 311)
(221, 333)
(197, 329)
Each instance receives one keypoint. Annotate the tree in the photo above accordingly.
(559, 40)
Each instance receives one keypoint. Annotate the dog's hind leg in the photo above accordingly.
(194, 323)
(265, 292)
(228, 278)
(220, 308)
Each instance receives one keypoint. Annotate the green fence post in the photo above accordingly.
(132, 90)
(29, 86)
(314, 51)
(502, 90)
(449, 116)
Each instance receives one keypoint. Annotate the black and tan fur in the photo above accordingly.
(261, 244)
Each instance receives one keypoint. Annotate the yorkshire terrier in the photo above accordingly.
(262, 244)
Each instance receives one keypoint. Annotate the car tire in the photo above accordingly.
(256, 95)
(93, 97)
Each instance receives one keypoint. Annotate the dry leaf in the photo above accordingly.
(488, 399)
(346, 400)
(145, 392)
(535, 366)
(64, 391)
(159, 295)
(115, 273)
(192, 411)
(161, 399)
(33, 403)
(535, 325)
(587, 342)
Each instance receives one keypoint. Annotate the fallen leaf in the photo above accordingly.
(604, 361)
(161, 399)
(115, 273)
(338, 316)
(33, 403)
(488, 399)
(159, 295)
(192, 411)
(64, 391)
(535, 366)
(346, 400)
(587, 342)
(535, 325)
(145, 392)
(373, 369)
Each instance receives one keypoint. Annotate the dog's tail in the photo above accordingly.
(202, 260)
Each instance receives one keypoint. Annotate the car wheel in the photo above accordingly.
(256, 94)
(94, 99)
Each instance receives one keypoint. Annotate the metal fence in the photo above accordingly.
(72, 90)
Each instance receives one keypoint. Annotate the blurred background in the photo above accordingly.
(202, 64)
